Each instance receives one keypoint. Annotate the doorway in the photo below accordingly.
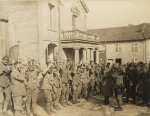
(118, 60)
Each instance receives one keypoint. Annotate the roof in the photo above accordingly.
(127, 33)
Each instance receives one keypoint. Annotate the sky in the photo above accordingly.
(105, 14)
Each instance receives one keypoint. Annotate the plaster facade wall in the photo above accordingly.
(22, 26)
(66, 16)
(126, 54)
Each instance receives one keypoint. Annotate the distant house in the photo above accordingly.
(125, 44)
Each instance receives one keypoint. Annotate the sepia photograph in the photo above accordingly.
(74, 58)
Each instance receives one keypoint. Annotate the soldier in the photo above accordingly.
(32, 84)
(97, 79)
(57, 86)
(4, 85)
(85, 80)
(75, 84)
(48, 87)
(107, 86)
(18, 87)
(58, 58)
(92, 78)
(80, 71)
(118, 87)
(65, 86)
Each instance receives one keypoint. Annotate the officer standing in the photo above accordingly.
(4, 85)
(18, 87)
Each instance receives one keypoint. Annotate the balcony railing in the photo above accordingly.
(79, 35)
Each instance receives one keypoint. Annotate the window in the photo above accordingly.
(51, 16)
(134, 47)
(74, 22)
(135, 60)
(118, 47)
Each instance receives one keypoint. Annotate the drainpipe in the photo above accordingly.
(145, 47)
(59, 22)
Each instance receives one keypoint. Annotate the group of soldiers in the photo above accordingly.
(131, 80)
(65, 83)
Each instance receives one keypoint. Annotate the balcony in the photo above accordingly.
(79, 36)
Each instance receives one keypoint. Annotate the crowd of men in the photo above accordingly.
(65, 83)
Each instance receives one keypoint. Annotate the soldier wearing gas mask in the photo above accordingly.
(32, 87)
(4, 85)
(18, 87)
(48, 87)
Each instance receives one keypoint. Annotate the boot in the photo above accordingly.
(62, 101)
(118, 109)
(48, 109)
(67, 102)
(51, 107)
(56, 107)
(74, 99)
(5, 106)
(79, 95)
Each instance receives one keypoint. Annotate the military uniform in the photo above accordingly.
(107, 86)
(118, 88)
(32, 84)
(85, 81)
(65, 86)
(75, 85)
(57, 86)
(92, 78)
(18, 90)
(4, 87)
(97, 79)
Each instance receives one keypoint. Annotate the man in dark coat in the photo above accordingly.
(107, 86)
(4, 85)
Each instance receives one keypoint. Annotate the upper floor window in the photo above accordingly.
(134, 47)
(135, 60)
(118, 47)
(74, 21)
(51, 16)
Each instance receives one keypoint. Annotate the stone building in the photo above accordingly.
(125, 44)
(42, 28)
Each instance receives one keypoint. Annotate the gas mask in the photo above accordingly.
(50, 71)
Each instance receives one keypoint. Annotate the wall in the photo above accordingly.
(126, 54)
(22, 26)
(46, 35)
(66, 15)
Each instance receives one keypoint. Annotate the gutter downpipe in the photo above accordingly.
(58, 7)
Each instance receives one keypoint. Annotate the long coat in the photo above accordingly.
(107, 85)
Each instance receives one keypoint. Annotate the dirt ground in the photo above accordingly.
(93, 107)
